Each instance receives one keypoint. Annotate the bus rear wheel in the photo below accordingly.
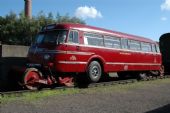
(94, 72)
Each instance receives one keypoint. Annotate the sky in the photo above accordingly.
(147, 18)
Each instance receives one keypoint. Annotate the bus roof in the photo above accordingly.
(87, 28)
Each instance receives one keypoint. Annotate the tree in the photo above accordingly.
(20, 30)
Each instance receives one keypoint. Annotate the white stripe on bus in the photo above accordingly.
(71, 62)
(123, 63)
(111, 63)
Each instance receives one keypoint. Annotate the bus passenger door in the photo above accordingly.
(73, 49)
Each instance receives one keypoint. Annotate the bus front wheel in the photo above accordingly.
(94, 71)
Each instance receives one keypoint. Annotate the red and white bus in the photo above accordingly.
(61, 49)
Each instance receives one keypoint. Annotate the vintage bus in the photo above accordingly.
(61, 50)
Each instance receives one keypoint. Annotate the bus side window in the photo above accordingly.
(154, 48)
(157, 48)
(112, 42)
(146, 47)
(134, 45)
(124, 43)
(93, 39)
(73, 37)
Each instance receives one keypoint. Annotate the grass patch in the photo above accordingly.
(34, 96)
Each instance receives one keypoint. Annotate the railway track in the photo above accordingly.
(127, 81)
(20, 92)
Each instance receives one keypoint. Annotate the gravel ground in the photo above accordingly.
(155, 99)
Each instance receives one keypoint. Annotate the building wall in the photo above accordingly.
(11, 56)
(13, 51)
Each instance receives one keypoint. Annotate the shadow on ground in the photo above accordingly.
(6, 75)
(164, 109)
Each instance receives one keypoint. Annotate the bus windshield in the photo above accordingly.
(51, 37)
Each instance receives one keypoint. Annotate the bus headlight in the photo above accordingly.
(46, 57)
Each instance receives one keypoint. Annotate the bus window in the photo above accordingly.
(73, 37)
(153, 48)
(157, 48)
(112, 42)
(146, 47)
(134, 45)
(124, 43)
(39, 38)
(51, 37)
(93, 39)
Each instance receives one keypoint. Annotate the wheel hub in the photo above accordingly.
(95, 71)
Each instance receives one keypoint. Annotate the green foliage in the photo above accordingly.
(19, 30)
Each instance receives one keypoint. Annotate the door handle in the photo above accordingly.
(77, 47)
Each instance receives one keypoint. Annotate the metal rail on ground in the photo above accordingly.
(128, 81)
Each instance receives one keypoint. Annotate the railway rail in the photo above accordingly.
(127, 81)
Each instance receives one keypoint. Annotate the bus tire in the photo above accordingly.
(30, 76)
(94, 72)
